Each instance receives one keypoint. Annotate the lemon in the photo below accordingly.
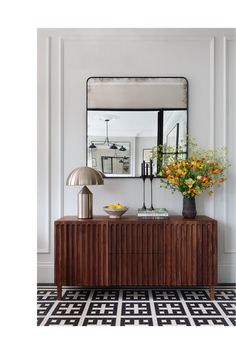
(111, 206)
(120, 206)
(116, 206)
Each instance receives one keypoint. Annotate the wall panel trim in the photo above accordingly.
(61, 124)
(212, 110)
(103, 37)
(225, 130)
(47, 118)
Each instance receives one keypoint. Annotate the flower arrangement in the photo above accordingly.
(204, 169)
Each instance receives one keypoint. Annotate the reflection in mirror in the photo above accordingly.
(117, 138)
(172, 144)
(128, 117)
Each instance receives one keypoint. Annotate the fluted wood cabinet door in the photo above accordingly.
(136, 252)
(81, 253)
(190, 252)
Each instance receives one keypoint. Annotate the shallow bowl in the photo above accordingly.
(115, 213)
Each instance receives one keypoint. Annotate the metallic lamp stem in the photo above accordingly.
(85, 203)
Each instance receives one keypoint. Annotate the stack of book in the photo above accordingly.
(158, 213)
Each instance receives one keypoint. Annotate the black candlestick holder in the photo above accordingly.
(145, 168)
(144, 206)
(151, 178)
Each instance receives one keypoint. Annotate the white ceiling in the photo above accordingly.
(123, 123)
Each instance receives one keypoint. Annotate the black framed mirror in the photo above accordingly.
(128, 116)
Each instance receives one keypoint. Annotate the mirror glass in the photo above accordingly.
(128, 117)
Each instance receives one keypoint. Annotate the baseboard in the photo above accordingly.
(226, 273)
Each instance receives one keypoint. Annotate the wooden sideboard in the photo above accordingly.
(135, 252)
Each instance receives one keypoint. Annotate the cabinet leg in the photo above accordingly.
(212, 292)
(59, 292)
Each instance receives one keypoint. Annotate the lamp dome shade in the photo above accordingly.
(102, 174)
(84, 176)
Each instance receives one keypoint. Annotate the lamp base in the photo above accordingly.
(85, 204)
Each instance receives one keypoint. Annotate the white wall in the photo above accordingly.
(66, 58)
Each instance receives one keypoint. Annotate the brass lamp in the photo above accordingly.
(83, 176)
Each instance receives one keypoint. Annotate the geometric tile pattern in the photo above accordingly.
(99, 321)
(173, 321)
(81, 295)
(169, 309)
(165, 295)
(105, 295)
(136, 309)
(233, 320)
(126, 321)
(200, 321)
(136, 306)
(68, 309)
(135, 295)
(203, 309)
(43, 308)
(228, 308)
(102, 309)
(197, 295)
(225, 294)
(62, 321)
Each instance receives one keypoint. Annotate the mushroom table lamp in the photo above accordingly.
(83, 176)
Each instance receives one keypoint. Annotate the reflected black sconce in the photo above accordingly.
(92, 146)
(122, 148)
(113, 146)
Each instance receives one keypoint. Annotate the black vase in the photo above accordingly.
(189, 208)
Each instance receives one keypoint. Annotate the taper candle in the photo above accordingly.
(143, 168)
(150, 167)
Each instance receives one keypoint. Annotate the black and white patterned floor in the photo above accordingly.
(146, 306)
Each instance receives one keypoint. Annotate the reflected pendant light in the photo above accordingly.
(92, 146)
(122, 148)
(107, 141)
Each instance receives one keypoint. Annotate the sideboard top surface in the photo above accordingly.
(134, 218)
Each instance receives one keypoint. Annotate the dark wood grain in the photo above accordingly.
(132, 245)
(204, 255)
(131, 251)
(199, 254)
(190, 252)
(81, 254)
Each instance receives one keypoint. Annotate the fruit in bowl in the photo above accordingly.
(116, 206)
(115, 210)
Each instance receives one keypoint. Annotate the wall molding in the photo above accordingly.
(61, 123)
(225, 128)
(105, 36)
(212, 110)
(48, 147)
